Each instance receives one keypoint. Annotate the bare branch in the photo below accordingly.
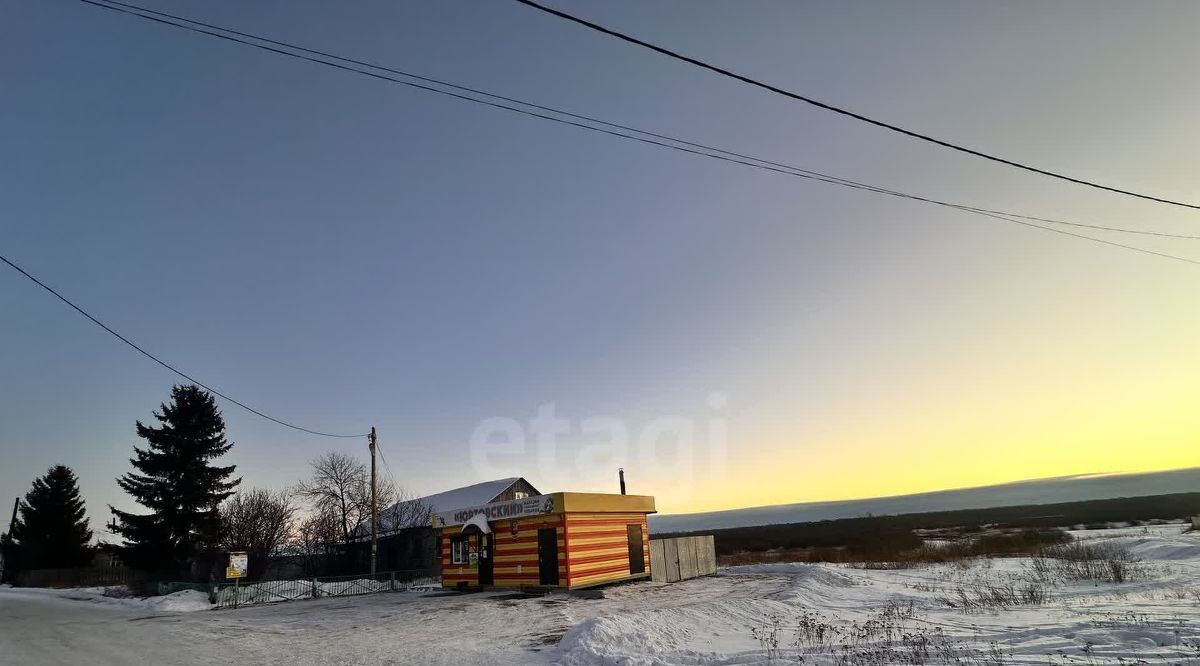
(259, 522)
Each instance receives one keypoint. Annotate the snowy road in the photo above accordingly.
(399, 628)
(706, 621)
(385, 628)
(39, 629)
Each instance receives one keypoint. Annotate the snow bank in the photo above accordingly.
(706, 631)
(1153, 543)
(1183, 547)
(702, 634)
(185, 601)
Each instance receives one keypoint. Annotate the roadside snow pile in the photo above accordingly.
(185, 601)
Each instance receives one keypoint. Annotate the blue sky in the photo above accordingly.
(341, 253)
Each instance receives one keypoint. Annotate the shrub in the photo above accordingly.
(1103, 562)
(985, 596)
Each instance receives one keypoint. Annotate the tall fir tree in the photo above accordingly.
(52, 531)
(176, 481)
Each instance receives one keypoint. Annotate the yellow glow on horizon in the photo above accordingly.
(969, 442)
(881, 483)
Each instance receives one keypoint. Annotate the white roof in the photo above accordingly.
(458, 498)
(461, 498)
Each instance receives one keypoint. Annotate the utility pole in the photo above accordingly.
(374, 504)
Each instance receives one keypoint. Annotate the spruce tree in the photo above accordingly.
(177, 483)
(52, 532)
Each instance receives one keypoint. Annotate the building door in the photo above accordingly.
(637, 561)
(486, 557)
(548, 556)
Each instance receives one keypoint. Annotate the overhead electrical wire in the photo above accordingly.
(163, 363)
(618, 130)
(815, 174)
(382, 457)
(845, 112)
(387, 467)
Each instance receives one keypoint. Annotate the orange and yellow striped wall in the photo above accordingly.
(593, 543)
(515, 562)
(598, 547)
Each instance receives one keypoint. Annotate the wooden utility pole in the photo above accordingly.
(374, 504)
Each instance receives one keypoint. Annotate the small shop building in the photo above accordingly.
(557, 540)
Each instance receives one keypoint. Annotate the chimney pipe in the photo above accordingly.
(621, 475)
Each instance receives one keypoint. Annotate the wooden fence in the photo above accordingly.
(681, 558)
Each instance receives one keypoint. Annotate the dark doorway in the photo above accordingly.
(486, 555)
(637, 561)
(548, 556)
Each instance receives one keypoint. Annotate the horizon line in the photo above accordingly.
(1066, 477)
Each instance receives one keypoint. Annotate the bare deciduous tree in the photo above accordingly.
(341, 485)
(316, 541)
(259, 522)
(404, 512)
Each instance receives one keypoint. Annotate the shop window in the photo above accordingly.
(459, 552)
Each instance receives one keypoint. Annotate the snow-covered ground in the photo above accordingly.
(183, 601)
(754, 614)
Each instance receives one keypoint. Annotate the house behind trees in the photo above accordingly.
(407, 539)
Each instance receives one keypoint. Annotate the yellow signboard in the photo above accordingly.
(238, 564)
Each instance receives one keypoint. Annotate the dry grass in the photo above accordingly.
(893, 635)
(989, 596)
(899, 552)
(1103, 562)
(766, 556)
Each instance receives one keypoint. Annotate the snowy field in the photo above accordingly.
(985, 611)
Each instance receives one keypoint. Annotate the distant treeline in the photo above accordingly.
(858, 532)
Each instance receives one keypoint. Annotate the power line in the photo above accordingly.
(800, 170)
(845, 112)
(659, 140)
(1096, 240)
(386, 466)
(163, 363)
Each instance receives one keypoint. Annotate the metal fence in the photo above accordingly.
(236, 594)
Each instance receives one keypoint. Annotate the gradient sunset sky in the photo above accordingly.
(342, 253)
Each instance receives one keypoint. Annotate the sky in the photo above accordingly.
(343, 253)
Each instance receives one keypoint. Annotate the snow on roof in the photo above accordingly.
(475, 495)
(458, 498)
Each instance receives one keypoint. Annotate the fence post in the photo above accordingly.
(393, 583)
